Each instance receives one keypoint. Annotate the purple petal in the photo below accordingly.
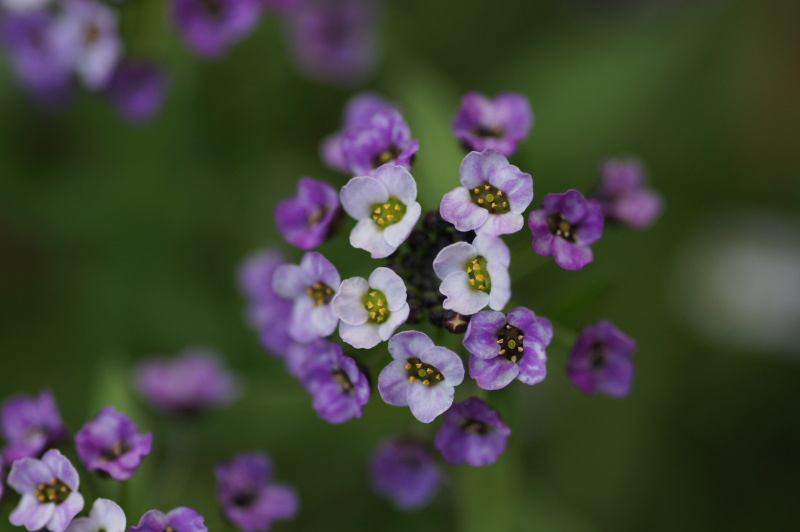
(30, 513)
(494, 373)
(320, 269)
(62, 468)
(478, 166)
(65, 512)
(481, 337)
(542, 237)
(571, 256)
(517, 186)
(458, 208)
(501, 224)
(409, 344)
(428, 402)
(393, 381)
(291, 281)
(447, 362)
(323, 320)
(532, 368)
(27, 473)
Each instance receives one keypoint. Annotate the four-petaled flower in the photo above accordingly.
(181, 519)
(338, 387)
(497, 124)
(600, 360)
(307, 219)
(624, 196)
(30, 425)
(472, 433)
(210, 26)
(385, 139)
(405, 472)
(106, 516)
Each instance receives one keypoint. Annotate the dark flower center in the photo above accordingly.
(597, 355)
(389, 154)
(559, 226)
(91, 34)
(56, 491)
(345, 385)
(386, 214)
(475, 427)
(478, 274)
(320, 293)
(510, 342)
(212, 7)
(427, 374)
(115, 451)
(317, 215)
(490, 198)
(375, 302)
(494, 132)
(244, 499)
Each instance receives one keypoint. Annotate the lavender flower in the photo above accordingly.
(307, 219)
(624, 196)
(493, 196)
(180, 519)
(339, 388)
(507, 348)
(137, 89)
(600, 360)
(209, 27)
(370, 310)
(30, 425)
(422, 375)
(565, 226)
(23, 6)
(405, 472)
(249, 497)
(49, 490)
(193, 382)
(111, 444)
(385, 207)
(474, 275)
(106, 516)
(334, 41)
(498, 124)
(472, 433)
(299, 355)
(385, 139)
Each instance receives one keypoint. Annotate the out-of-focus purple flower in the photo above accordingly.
(87, 30)
(385, 139)
(30, 425)
(23, 6)
(405, 472)
(111, 444)
(472, 433)
(311, 286)
(371, 310)
(307, 219)
(493, 196)
(505, 348)
(339, 388)
(106, 516)
(191, 383)
(600, 360)
(422, 375)
(136, 89)
(2, 476)
(209, 27)
(298, 355)
(624, 196)
(267, 312)
(357, 113)
(386, 208)
(565, 226)
(474, 275)
(497, 124)
(334, 41)
(49, 490)
(181, 519)
(249, 497)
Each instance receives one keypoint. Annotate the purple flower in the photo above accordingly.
(2, 476)
(385, 139)
(30, 425)
(334, 41)
(267, 312)
(565, 226)
(386, 208)
(474, 275)
(371, 310)
(307, 219)
(23, 6)
(249, 497)
(49, 490)
(193, 382)
(111, 444)
(298, 355)
(601, 361)
(210, 26)
(472, 433)
(624, 196)
(137, 89)
(357, 113)
(106, 516)
(507, 348)
(422, 375)
(339, 388)
(405, 472)
(493, 196)
(180, 519)
(498, 124)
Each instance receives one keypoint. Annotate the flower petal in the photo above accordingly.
(481, 337)
(453, 258)
(397, 233)
(408, 344)
(27, 473)
(532, 368)
(30, 513)
(428, 402)
(348, 304)
(360, 194)
(571, 256)
(447, 362)
(461, 297)
(500, 293)
(62, 468)
(396, 319)
(392, 383)
(362, 336)
(494, 373)
(398, 182)
(476, 167)
(290, 281)
(458, 208)
(368, 236)
(392, 286)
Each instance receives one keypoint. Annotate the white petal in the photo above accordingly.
(453, 258)
(360, 194)
(362, 336)
(501, 286)
(367, 236)
(392, 286)
(397, 233)
(398, 182)
(348, 304)
(493, 249)
(461, 297)
(396, 319)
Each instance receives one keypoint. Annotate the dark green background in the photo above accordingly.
(120, 242)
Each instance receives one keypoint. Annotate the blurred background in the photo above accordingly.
(120, 242)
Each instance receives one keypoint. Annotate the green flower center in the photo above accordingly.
(490, 198)
(424, 373)
(344, 381)
(510, 342)
(386, 214)
(389, 154)
(320, 293)
(56, 491)
(375, 303)
(559, 226)
(478, 274)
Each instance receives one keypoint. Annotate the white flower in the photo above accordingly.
(105, 516)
